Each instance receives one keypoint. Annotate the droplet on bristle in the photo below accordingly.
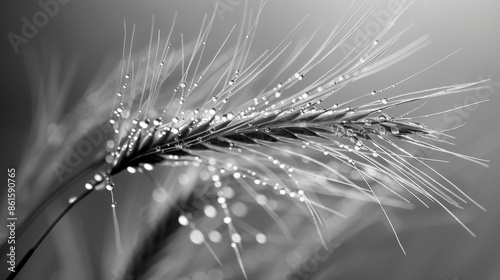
(215, 236)
(236, 238)
(212, 111)
(158, 121)
(382, 131)
(148, 166)
(144, 123)
(210, 211)
(89, 185)
(131, 170)
(261, 238)
(395, 130)
(183, 220)
(196, 237)
(72, 199)
(98, 177)
(109, 186)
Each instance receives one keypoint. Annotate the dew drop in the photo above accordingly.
(261, 238)
(236, 238)
(395, 130)
(131, 170)
(175, 120)
(215, 237)
(382, 131)
(210, 211)
(109, 186)
(196, 237)
(231, 82)
(212, 111)
(72, 199)
(148, 166)
(183, 220)
(144, 123)
(158, 121)
(182, 85)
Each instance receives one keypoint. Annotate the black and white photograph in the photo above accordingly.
(250, 140)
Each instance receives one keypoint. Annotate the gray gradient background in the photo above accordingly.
(91, 31)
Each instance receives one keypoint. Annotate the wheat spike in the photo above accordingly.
(283, 135)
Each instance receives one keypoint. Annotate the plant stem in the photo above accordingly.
(28, 255)
(48, 199)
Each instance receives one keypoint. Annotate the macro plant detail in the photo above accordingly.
(264, 125)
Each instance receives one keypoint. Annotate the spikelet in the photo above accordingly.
(263, 135)
(273, 130)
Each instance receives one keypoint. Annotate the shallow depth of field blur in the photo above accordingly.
(91, 33)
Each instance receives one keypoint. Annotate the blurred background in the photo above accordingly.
(88, 35)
